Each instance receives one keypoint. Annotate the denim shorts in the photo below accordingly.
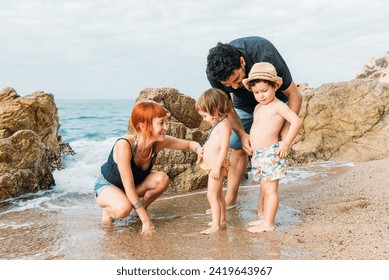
(247, 121)
(100, 185)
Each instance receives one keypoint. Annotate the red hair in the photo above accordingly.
(144, 112)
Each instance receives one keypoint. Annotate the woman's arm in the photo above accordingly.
(180, 144)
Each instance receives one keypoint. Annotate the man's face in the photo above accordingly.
(235, 80)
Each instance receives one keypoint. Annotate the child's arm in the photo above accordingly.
(295, 125)
(224, 133)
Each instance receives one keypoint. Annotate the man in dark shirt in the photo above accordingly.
(227, 65)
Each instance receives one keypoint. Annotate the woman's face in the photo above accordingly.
(159, 128)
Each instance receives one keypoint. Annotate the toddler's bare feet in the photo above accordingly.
(210, 230)
(261, 228)
(256, 222)
(106, 218)
(222, 225)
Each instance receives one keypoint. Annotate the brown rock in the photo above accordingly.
(377, 69)
(29, 142)
(184, 123)
(346, 121)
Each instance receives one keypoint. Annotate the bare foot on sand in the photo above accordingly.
(106, 218)
(222, 225)
(261, 228)
(211, 230)
(256, 222)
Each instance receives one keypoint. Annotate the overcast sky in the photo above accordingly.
(114, 49)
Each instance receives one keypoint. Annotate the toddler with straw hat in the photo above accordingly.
(269, 156)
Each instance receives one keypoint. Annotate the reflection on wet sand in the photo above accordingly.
(179, 221)
(68, 226)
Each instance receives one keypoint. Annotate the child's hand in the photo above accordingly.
(282, 151)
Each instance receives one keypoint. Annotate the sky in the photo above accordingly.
(100, 49)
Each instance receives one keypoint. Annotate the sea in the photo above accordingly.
(63, 223)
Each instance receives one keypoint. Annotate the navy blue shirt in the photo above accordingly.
(253, 50)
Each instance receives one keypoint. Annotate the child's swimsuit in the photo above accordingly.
(267, 165)
(208, 166)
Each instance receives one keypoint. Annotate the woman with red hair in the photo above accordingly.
(126, 176)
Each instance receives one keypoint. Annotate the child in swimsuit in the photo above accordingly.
(213, 106)
(269, 157)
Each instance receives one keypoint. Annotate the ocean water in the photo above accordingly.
(90, 127)
(64, 222)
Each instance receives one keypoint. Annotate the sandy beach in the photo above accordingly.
(339, 214)
(345, 217)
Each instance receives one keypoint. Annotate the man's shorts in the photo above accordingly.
(267, 165)
(247, 122)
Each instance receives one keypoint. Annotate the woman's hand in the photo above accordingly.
(147, 228)
(200, 154)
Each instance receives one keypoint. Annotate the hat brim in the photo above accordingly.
(276, 79)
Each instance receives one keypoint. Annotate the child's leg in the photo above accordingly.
(259, 208)
(271, 200)
(222, 203)
(223, 209)
(260, 205)
(214, 187)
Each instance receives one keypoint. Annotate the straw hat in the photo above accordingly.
(262, 71)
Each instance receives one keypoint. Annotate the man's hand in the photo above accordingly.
(246, 146)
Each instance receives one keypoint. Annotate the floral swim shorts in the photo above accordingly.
(267, 165)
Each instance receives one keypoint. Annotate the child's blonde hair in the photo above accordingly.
(214, 102)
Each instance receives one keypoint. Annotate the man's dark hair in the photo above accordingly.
(222, 60)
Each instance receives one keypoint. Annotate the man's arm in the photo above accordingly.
(237, 126)
(295, 97)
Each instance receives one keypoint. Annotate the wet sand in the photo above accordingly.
(340, 215)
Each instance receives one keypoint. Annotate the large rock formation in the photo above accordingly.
(347, 121)
(184, 123)
(29, 145)
(376, 69)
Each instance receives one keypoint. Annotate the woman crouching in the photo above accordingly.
(126, 176)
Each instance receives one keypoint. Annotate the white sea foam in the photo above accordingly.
(81, 169)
